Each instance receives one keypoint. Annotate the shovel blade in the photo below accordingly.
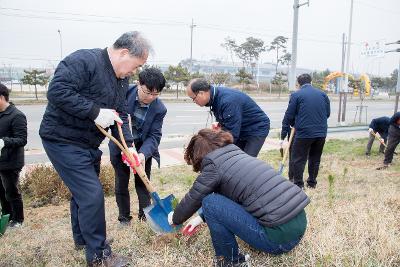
(280, 170)
(157, 215)
(3, 223)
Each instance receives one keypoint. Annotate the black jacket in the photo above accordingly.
(381, 125)
(248, 181)
(83, 83)
(308, 111)
(13, 131)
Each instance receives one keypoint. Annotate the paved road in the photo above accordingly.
(184, 119)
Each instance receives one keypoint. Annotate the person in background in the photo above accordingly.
(393, 140)
(378, 126)
(13, 138)
(308, 112)
(235, 112)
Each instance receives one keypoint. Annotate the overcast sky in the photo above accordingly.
(29, 29)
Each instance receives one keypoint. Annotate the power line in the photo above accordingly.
(120, 20)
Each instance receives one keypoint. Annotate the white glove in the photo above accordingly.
(107, 117)
(281, 143)
(170, 215)
(382, 140)
(1, 144)
(370, 130)
(191, 226)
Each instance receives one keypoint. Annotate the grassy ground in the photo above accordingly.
(354, 220)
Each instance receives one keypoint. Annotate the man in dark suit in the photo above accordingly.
(147, 113)
(379, 126)
(308, 111)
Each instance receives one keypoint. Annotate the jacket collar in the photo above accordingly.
(9, 109)
(213, 92)
(107, 61)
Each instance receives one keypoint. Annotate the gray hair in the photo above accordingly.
(137, 45)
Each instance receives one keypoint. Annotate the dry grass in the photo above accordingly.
(354, 220)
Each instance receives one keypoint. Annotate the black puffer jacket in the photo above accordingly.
(83, 83)
(252, 183)
(13, 131)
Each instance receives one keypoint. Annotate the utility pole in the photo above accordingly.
(340, 85)
(61, 54)
(191, 46)
(292, 76)
(346, 79)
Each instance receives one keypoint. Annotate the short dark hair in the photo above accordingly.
(4, 91)
(200, 84)
(304, 78)
(153, 79)
(204, 142)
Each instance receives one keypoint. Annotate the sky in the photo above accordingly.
(30, 37)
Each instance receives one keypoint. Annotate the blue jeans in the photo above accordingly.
(227, 219)
(79, 169)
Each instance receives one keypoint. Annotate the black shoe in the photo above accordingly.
(114, 260)
(367, 154)
(242, 261)
(108, 242)
(14, 225)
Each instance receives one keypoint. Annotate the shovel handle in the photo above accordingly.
(125, 150)
(376, 136)
(289, 143)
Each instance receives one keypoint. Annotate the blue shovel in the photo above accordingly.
(157, 213)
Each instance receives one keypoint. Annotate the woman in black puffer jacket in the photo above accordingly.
(242, 196)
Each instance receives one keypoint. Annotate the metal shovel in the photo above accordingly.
(157, 213)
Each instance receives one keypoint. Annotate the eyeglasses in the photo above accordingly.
(194, 98)
(148, 92)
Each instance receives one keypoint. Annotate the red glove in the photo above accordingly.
(128, 163)
(193, 226)
(215, 126)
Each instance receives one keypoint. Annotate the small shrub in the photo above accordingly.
(43, 186)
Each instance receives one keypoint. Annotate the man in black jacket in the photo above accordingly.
(13, 135)
(393, 139)
(308, 111)
(88, 88)
(378, 126)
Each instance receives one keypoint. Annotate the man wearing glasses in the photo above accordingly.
(235, 112)
(147, 113)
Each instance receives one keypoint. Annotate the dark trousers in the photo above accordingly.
(303, 149)
(371, 141)
(251, 145)
(122, 196)
(10, 196)
(393, 141)
(290, 167)
(79, 169)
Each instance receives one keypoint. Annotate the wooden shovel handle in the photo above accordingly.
(289, 143)
(125, 150)
(379, 139)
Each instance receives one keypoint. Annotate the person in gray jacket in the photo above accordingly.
(242, 196)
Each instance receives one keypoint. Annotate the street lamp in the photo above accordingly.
(61, 56)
